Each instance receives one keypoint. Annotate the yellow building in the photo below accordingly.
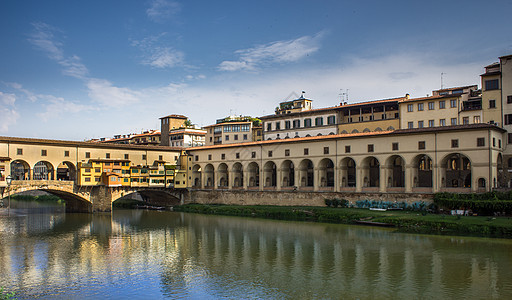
(491, 95)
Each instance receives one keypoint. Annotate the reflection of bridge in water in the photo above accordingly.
(94, 198)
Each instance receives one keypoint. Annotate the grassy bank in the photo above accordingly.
(404, 221)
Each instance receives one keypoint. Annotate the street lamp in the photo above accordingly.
(9, 180)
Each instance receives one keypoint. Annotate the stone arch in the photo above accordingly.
(270, 174)
(422, 171)
(326, 168)
(481, 183)
(20, 170)
(253, 171)
(348, 172)
(223, 175)
(331, 133)
(66, 170)
(366, 130)
(378, 129)
(355, 131)
(395, 166)
(238, 175)
(319, 134)
(344, 132)
(288, 173)
(456, 171)
(371, 171)
(308, 135)
(390, 128)
(43, 170)
(196, 176)
(306, 173)
(209, 175)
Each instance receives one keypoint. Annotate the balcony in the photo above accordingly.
(472, 105)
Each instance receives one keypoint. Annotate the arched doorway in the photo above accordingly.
(396, 171)
(222, 172)
(66, 171)
(348, 173)
(306, 173)
(422, 176)
(502, 181)
(196, 176)
(287, 173)
(371, 172)
(270, 174)
(238, 175)
(209, 175)
(457, 171)
(43, 170)
(20, 170)
(326, 167)
(253, 170)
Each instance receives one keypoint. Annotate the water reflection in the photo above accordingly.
(142, 254)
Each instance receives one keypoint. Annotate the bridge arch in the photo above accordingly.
(43, 170)
(66, 171)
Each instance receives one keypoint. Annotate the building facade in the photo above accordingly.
(232, 130)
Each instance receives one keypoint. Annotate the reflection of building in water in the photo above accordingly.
(285, 258)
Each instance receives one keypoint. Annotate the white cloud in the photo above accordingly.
(103, 92)
(8, 113)
(275, 52)
(162, 10)
(55, 106)
(31, 96)
(44, 38)
(157, 55)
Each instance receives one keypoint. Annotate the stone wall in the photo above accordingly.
(294, 198)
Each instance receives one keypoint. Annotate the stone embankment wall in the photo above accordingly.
(294, 198)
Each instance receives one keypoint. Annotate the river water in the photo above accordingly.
(150, 255)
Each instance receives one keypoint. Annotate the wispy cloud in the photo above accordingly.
(44, 38)
(162, 10)
(7, 111)
(156, 55)
(275, 52)
(103, 92)
(55, 106)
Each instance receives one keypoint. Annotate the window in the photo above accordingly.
(326, 150)
(476, 119)
(66, 153)
(87, 154)
(144, 157)
(107, 155)
(278, 125)
(409, 107)
(430, 105)
(455, 143)
(509, 99)
(453, 121)
(296, 123)
(87, 170)
(319, 121)
(87, 179)
(237, 155)
(510, 138)
(307, 122)
(270, 153)
(494, 142)
(347, 149)
(442, 122)
(223, 156)
(492, 103)
(394, 146)
(508, 119)
(287, 152)
(226, 137)
(453, 103)
(126, 156)
(235, 137)
(97, 179)
(421, 145)
(287, 125)
(236, 128)
(370, 148)
(410, 125)
(253, 154)
(499, 143)
(431, 123)
(196, 158)
(245, 127)
(306, 151)
(465, 120)
(420, 106)
(492, 84)
(269, 127)
(331, 120)
(420, 124)
(97, 170)
(19, 151)
(245, 137)
(442, 104)
(480, 142)
(209, 157)
(44, 152)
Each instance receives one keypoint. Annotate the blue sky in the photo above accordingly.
(79, 70)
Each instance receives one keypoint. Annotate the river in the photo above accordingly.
(141, 254)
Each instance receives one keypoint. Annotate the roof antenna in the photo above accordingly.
(442, 86)
(343, 96)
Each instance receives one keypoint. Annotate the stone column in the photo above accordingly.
(316, 179)
(359, 178)
(279, 178)
(383, 178)
(408, 180)
(245, 182)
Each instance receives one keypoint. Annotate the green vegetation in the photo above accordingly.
(403, 220)
(42, 198)
(483, 204)
(6, 295)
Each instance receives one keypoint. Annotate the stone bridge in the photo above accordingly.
(95, 198)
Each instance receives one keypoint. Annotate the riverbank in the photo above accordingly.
(403, 221)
